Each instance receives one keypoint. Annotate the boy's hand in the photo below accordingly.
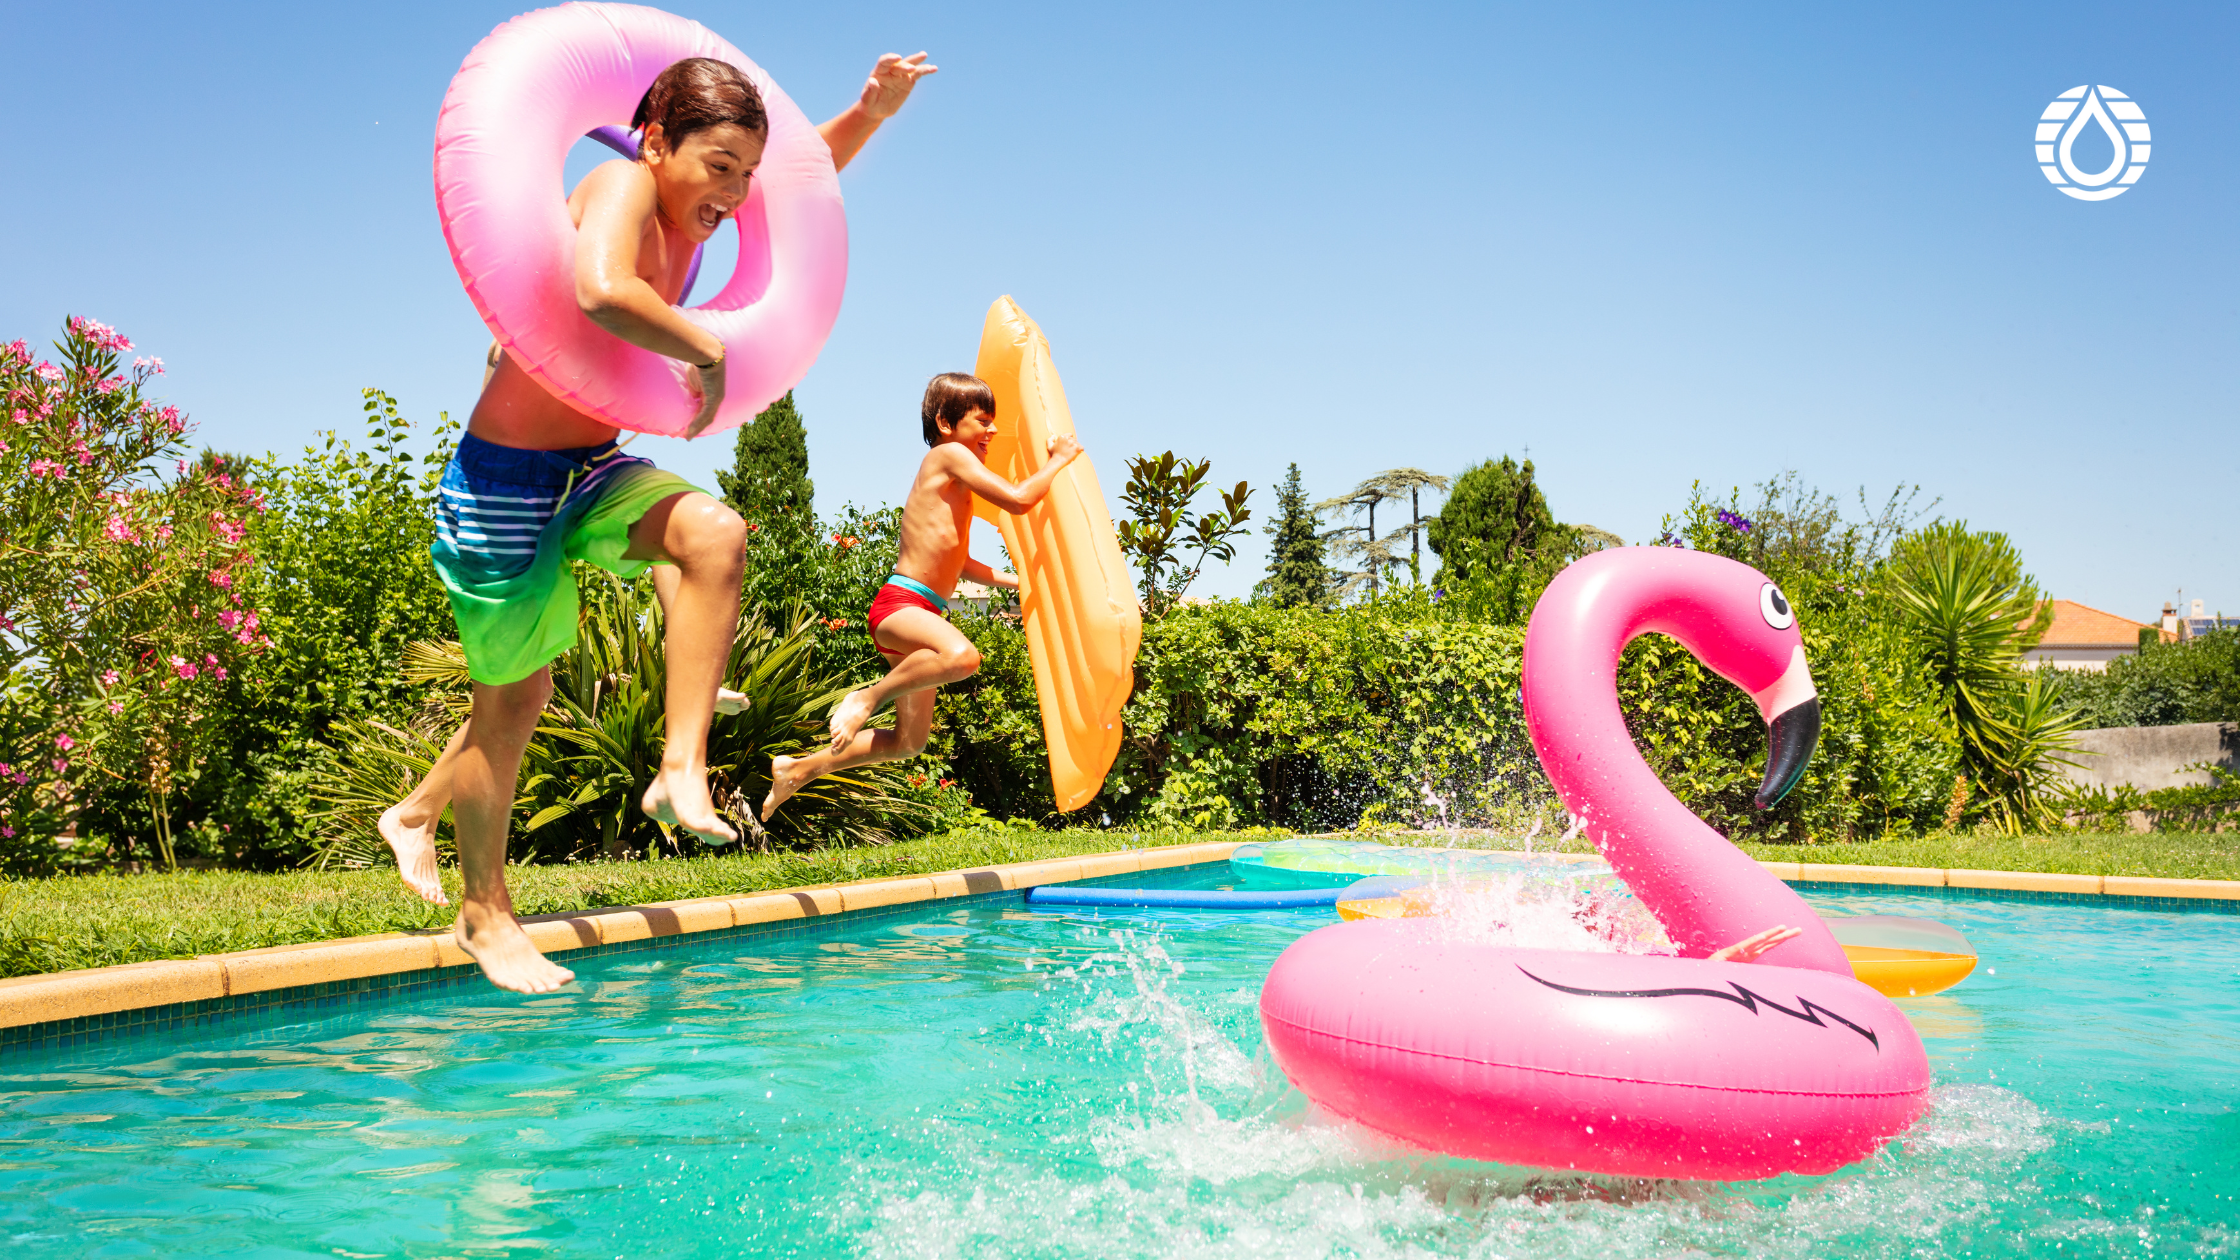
(890, 83)
(705, 384)
(1749, 947)
(1064, 448)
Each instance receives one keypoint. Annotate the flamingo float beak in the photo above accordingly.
(1791, 708)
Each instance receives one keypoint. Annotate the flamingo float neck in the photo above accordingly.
(1705, 892)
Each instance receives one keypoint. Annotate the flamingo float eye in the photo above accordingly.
(1774, 606)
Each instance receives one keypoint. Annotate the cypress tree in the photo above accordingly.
(1296, 577)
(768, 484)
(1494, 516)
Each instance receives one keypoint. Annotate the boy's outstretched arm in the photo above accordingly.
(986, 576)
(1015, 499)
(883, 93)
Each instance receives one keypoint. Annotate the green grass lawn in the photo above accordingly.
(2167, 855)
(95, 921)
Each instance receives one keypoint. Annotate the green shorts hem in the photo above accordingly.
(513, 626)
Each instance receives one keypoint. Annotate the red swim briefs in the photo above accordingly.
(884, 604)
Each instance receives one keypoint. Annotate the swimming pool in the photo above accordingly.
(986, 1080)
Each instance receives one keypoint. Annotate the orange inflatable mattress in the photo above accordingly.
(1082, 622)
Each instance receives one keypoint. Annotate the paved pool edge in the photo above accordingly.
(74, 1007)
(71, 1007)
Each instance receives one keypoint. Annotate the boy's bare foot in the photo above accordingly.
(506, 954)
(680, 799)
(415, 848)
(787, 774)
(729, 701)
(848, 717)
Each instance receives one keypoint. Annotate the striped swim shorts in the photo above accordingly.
(509, 521)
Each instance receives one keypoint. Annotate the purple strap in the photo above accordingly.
(622, 141)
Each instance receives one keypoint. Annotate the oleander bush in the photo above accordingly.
(123, 569)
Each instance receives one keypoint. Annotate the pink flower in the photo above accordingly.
(181, 466)
(151, 365)
(8, 833)
(120, 530)
(109, 386)
(46, 468)
(6, 769)
(6, 624)
(229, 619)
(220, 578)
(20, 416)
(65, 743)
(219, 671)
(210, 658)
(47, 372)
(60, 765)
(100, 334)
(171, 417)
(109, 678)
(232, 531)
(84, 454)
(17, 352)
(116, 706)
(163, 531)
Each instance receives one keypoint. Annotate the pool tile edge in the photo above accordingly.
(67, 1001)
(2147, 886)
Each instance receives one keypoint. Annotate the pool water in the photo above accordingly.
(986, 1080)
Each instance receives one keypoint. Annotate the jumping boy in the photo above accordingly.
(535, 484)
(908, 617)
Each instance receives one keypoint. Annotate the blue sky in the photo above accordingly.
(1653, 243)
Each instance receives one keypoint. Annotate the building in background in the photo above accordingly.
(2197, 623)
(2086, 638)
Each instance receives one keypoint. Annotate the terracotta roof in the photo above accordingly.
(2078, 626)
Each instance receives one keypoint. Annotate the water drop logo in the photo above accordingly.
(2119, 119)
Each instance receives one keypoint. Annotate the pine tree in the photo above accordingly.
(768, 484)
(1296, 575)
(1494, 516)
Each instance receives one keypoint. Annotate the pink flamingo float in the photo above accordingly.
(1627, 1064)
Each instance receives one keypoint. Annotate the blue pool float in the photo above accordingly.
(1214, 898)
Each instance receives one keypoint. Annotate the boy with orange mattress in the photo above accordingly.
(908, 617)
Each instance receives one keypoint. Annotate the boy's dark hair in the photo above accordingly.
(696, 94)
(952, 396)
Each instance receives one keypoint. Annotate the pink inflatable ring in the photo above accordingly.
(527, 93)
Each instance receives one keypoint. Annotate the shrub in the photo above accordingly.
(345, 582)
(1405, 708)
(122, 611)
(2166, 684)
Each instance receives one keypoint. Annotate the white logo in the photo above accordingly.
(2109, 108)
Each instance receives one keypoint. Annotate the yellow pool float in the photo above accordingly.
(1894, 955)
(1079, 602)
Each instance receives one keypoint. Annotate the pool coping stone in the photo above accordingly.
(70, 1006)
(73, 1006)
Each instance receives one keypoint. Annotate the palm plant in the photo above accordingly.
(601, 740)
(1971, 613)
(2022, 783)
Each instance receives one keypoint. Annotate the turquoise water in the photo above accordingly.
(990, 1081)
